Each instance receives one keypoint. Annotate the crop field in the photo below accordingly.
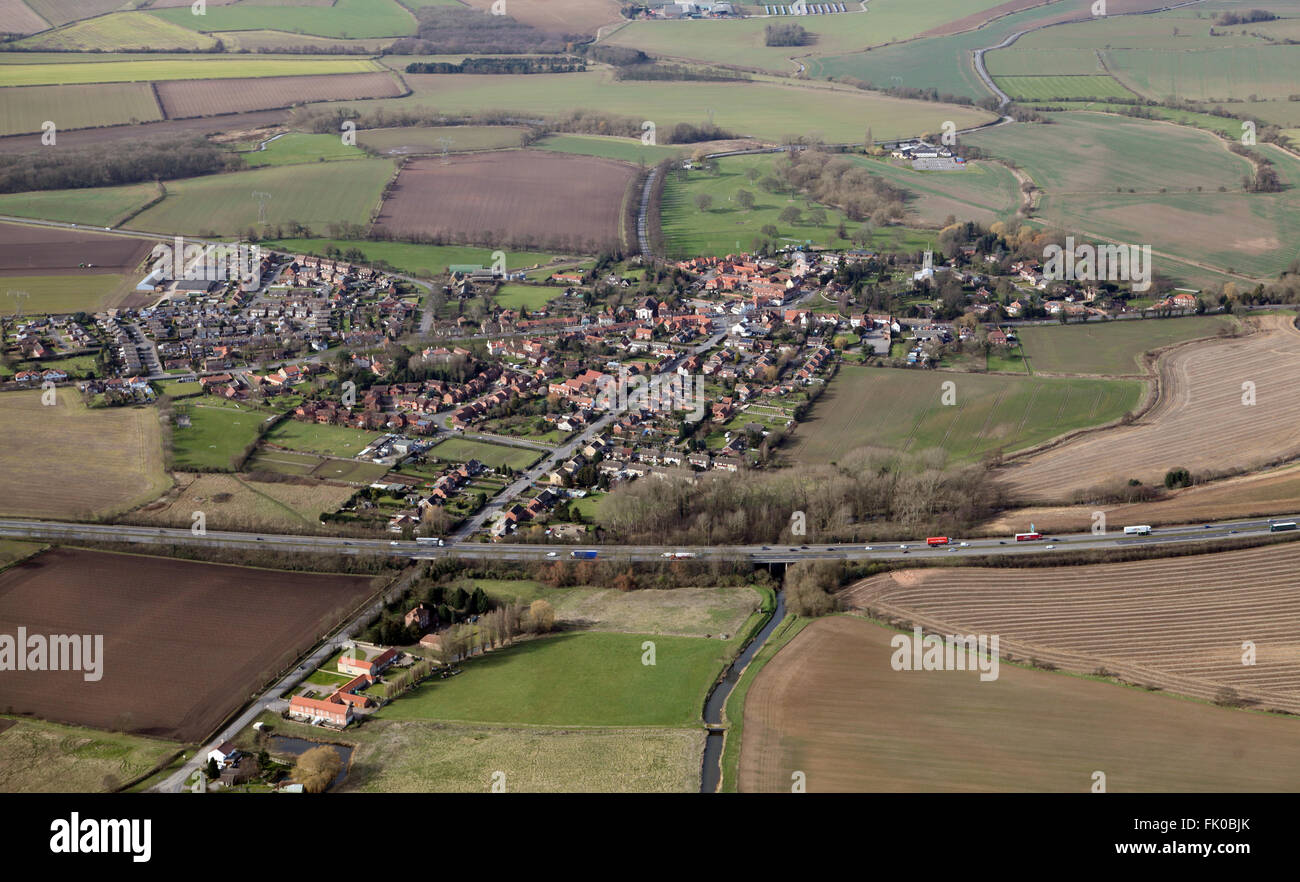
(1208, 75)
(41, 757)
(121, 32)
(136, 68)
(1273, 492)
(1177, 624)
(493, 455)
(16, 17)
(215, 436)
(409, 140)
(12, 550)
(298, 147)
(315, 194)
(419, 260)
(324, 439)
(518, 193)
(100, 207)
(65, 292)
(113, 457)
(623, 149)
(830, 705)
(167, 626)
(556, 16)
(26, 108)
(578, 679)
(982, 191)
(413, 756)
(343, 18)
(1042, 88)
(184, 98)
(1204, 420)
(901, 410)
(28, 250)
(230, 502)
(765, 110)
(1110, 348)
(274, 41)
(60, 12)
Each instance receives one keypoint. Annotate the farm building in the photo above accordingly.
(313, 710)
(374, 667)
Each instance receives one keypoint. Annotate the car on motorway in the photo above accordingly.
(902, 546)
(964, 545)
(868, 548)
(551, 554)
(394, 542)
(1048, 547)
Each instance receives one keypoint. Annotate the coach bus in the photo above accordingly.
(1142, 530)
(1278, 526)
(1028, 537)
(936, 540)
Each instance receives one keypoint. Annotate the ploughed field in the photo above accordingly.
(516, 196)
(183, 98)
(26, 251)
(1176, 623)
(184, 643)
(1201, 422)
(831, 705)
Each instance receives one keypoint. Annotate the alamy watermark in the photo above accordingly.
(952, 652)
(661, 393)
(1098, 263)
(53, 652)
(203, 262)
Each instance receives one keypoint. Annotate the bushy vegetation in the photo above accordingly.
(548, 64)
(445, 30)
(124, 162)
(786, 34)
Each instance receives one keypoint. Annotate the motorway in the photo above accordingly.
(911, 550)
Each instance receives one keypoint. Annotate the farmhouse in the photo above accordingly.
(374, 667)
(330, 712)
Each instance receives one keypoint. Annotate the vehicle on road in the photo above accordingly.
(551, 554)
(430, 540)
(583, 555)
(394, 542)
(1140, 530)
(1028, 537)
(1279, 526)
(1048, 547)
(935, 541)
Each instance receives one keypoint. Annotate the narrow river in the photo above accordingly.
(711, 776)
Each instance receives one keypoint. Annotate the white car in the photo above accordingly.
(1048, 547)
(964, 544)
(902, 546)
(551, 554)
(868, 548)
(394, 542)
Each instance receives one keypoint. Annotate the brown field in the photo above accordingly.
(32, 250)
(1199, 421)
(234, 503)
(71, 462)
(1175, 623)
(185, 643)
(977, 19)
(830, 705)
(560, 16)
(187, 98)
(1275, 492)
(84, 138)
(515, 196)
(16, 17)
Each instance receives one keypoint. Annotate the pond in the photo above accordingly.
(282, 744)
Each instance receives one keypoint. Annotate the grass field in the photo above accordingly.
(901, 410)
(530, 297)
(345, 18)
(41, 757)
(100, 206)
(1109, 348)
(419, 260)
(117, 465)
(409, 140)
(982, 191)
(324, 439)
(215, 436)
(136, 68)
(230, 502)
(587, 679)
(315, 194)
(122, 31)
(493, 455)
(1039, 88)
(625, 149)
(680, 612)
(1208, 75)
(59, 12)
(299, 147)
(830, 705)
(26, 109)
(12, 550)
(67, 292)
(767, 110)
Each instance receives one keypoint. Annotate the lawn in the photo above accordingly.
(425, 261)
(214, 438)
(901, 410)
(99, 206)
(492, 455)
(316, 194)
(324, 439)
(1112, 348)
(343, 18)
(41, 757)
(531, 297)
(625, 149)
(135, 68)
(66, 292)
(298, 147)
(587, 679)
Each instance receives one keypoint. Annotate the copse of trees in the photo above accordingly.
(786, 34)
(530, 65)
(107, 165)
(444, 30)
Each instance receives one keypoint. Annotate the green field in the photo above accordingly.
(121, 31)
(901, 410)
(585, 679)
(299, 147)
(493, 455)
(320, 438)
(1041, 88)
(58, 12)
(625, 149)
(216, 436)
(1208, 75)
(531, 297)
(767, 110)
(982, 191)
(75, 107)
(100, 206)
(410, 140)
(315, 194)
(41, 757)
(344, 18)
(425, 261)
(65, 292)
(1109, 348)
(135, 68)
